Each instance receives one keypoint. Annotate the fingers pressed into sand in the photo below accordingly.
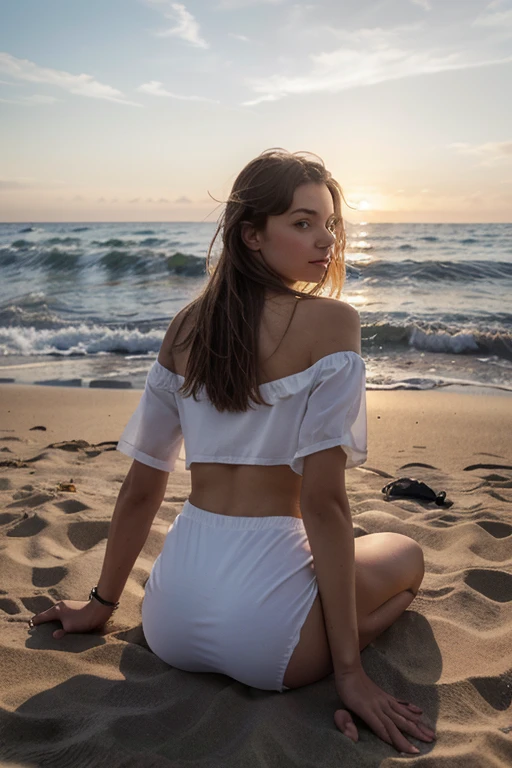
(376, 722)
(401, 709)
(409, 726)
(51, 614)
(346, 725)
(398, 740)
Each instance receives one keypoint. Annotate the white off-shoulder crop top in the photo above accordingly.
(318, 408)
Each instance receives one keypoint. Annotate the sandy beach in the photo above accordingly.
(105, 699)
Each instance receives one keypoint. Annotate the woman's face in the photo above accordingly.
(292, 242)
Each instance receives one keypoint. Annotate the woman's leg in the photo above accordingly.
(389, 571)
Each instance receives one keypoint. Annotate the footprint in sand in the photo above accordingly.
(30, 526)
(435, 593)
(445, 521)
(495, 528)
(375, 471)
(417, 464)
(487, 466)
(24, 492)
(7, 518)
(496, 585)
(89, 449)
(48, 577)
(37, 603)
(498, 496)
(32, 501)
(70, 445)
(9, 606)
(86, 535)
(497, 691)
(70, 506)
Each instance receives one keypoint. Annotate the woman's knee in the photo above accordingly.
(415, 563)
(406, 560)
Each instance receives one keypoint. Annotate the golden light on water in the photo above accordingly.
(356, 299)
(360, 244)
(364, 205)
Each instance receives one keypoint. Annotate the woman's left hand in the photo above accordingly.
(75, 616)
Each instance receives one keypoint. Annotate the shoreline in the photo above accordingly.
(456, 386)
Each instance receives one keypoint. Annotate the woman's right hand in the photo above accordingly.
(385, 715)
(75, 616)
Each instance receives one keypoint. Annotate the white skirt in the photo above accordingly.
(230, 595)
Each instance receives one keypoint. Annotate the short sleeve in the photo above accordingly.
(153, 435)
(336, 411)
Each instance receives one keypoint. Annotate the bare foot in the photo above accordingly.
(344, 722)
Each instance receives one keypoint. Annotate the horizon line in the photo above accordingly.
(191, 221)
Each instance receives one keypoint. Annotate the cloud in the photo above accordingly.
(81, 85)
(490, 153)
(500, 19)
(368, 57)
(155, 88)
(243, 38)
(186, 27)
(183, 200)
(425, 4)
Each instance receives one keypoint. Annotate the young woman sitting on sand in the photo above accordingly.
(260, 577)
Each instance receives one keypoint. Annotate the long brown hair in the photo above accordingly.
(224, 339)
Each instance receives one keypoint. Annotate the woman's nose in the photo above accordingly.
(327, 240)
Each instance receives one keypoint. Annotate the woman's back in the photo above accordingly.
(293, 335)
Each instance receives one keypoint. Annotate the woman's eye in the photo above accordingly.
(299, 223)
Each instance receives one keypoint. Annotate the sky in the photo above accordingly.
(147, 110)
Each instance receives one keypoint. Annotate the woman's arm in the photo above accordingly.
(139, 500)
(328, 523)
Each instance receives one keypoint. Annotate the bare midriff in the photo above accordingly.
(247, 490)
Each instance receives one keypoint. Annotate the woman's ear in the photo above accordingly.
(250, 236)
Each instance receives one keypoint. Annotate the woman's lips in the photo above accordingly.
(324, 262)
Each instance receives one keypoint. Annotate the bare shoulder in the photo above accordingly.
(180, 321)
(334, 326)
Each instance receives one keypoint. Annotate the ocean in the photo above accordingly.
(88, 304)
